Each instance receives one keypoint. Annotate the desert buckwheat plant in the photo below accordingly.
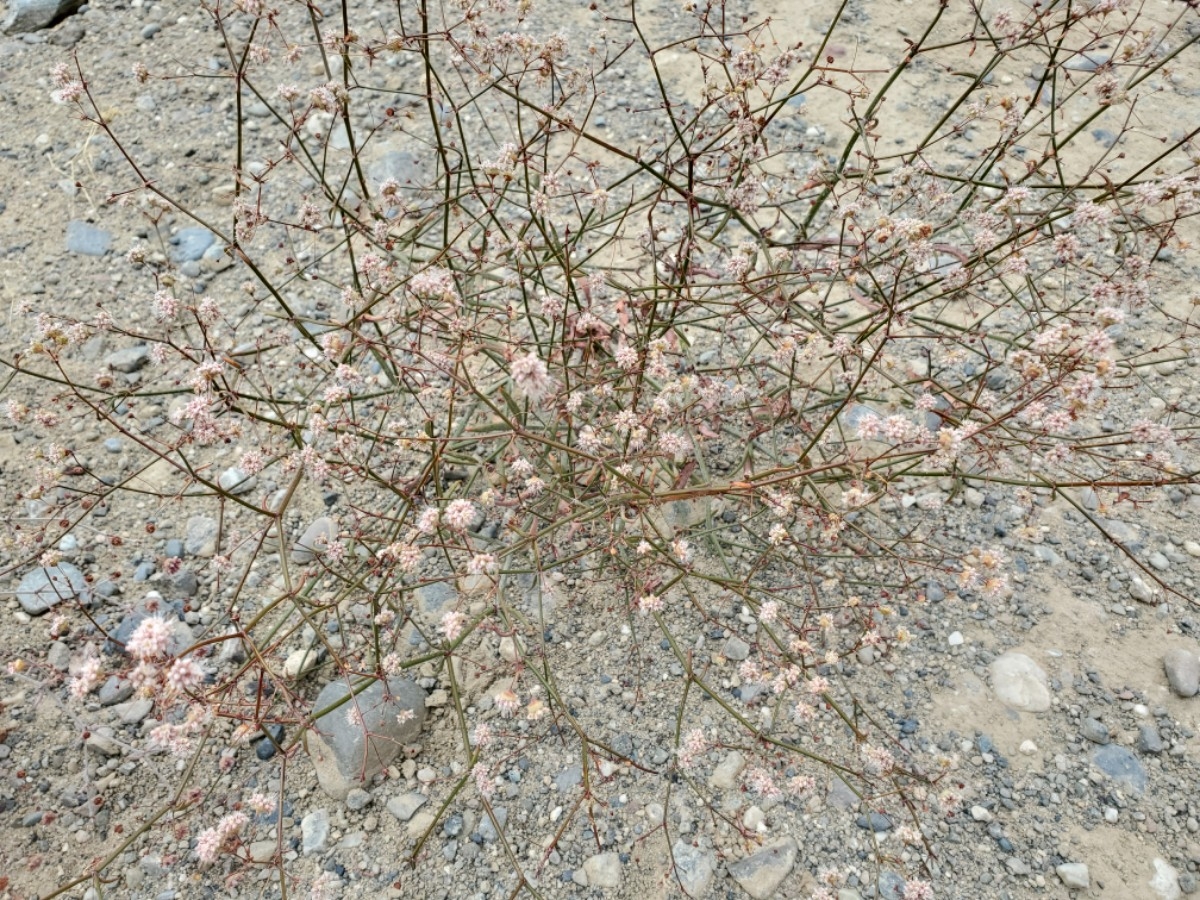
(591, 383)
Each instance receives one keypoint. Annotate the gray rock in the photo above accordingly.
(568, 778)
(236, 481)
(34, 15)
(395, 164)
(434, 596)
(891, 886)
(694, 868)
(128, 360)
(201, 536)
(761, 873)
(1095, 731)
(87, 240)
(181, 634)
(725, 775)
(115, 690)
(839, 795)
(1183, 671)
(191, 243)
(185, 583)
(102, 741)
(1020, 683)
(688, 513)
(487, 828)
(318, 537)
(314, 832)
(175, 548)
(358, 800)
(603, 870)
(1149, 740)
(875, 822)
(736, 649)
(354, 742)
(1017, 866)
(133, 711)
(59, 656)
(405, 806)
(42, 589)
(1121, 766)
(1140, 591)
(1074, 876)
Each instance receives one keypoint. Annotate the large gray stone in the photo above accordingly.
(128, 360)
(317, 538)
(1020, 683)
(694, 868)
(603, 870)
(314, 832)
(1121, 766)
(42, 589)
(1183, 671)
(190, 244)
(34, 15)
(1075, 876)
(352, 743)
(405, 806)
(87, 240)
(761, 873)
(201, 536)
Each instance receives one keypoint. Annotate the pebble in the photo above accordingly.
(133, 711)
(404, 806)
(115, 690)
(956, 639)
(1158, 561)
(265, 748)
(736, 649)
(1183, 671)
(346, 756)
(1149, 740)
(1020, 683)
(317, 538)
(1074, 875)
(603, 870)
(87, 240)
(201, 536)
(694, 867)
(725, 775)
(981, 814)
(1095, 731)
(761, 873)
(874, 821)
(59, 656)
(235, 481)
(1140, 591)
(754, 819)
(189, 244)
(42, 589)
(568, 778)
(262, 851)
(1119, 764)
(358, 800)
(102, 741)
(314, 832)
(1165, 882)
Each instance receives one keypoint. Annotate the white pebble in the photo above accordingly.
(955, 639)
